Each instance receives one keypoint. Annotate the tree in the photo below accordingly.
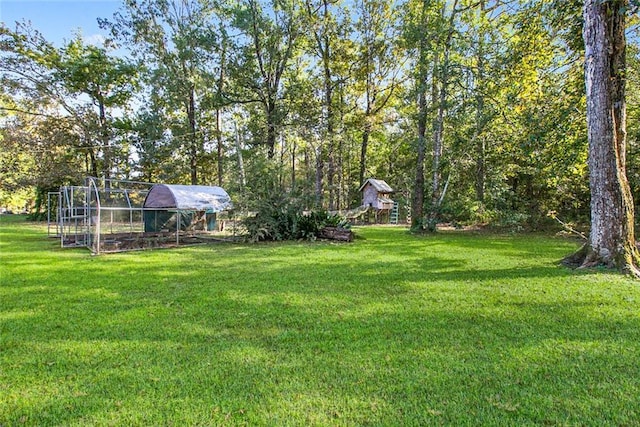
(611, 239)
(378, 66)
(430, 32)
(60, 88)
(418, 16)
(108, 82)
(175, 42)
(270, 32)
(330, 48)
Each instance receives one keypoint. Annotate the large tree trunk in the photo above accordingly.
(324, 47)
(612, 240)
(331, 163)
(478, 139)
(219, 141)
(437, 194)
(363, 150)
(243, 179)
(219, 145)
(438, 135)
(319, 156)
(193, 138)
(271, 119)
(293, 166)
(92, 167)
(104, 139)
(106, 146)
(417, 203)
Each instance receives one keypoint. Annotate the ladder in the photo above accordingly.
(393, 218)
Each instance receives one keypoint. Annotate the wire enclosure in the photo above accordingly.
(110, 216)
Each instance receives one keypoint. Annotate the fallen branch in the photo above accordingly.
(553, 214)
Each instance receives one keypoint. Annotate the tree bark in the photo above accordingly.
(106, 144)
(319, 174)
(219, 141)
(363, 149)
(417, 201)
(417, 204)
(478, 138)
(243, 179)
(271, 127)
(612, 239)
(293, 166)
(219, 145)
(193, 139)
(438, 123)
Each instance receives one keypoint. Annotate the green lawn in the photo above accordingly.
(393, 329)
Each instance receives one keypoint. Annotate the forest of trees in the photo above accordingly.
(473, 110)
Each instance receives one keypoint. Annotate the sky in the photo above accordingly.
(60, 20)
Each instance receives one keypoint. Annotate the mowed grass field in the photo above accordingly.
(449, 329)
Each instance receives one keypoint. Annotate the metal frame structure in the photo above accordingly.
(109, 216)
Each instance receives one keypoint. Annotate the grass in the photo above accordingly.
(450, 329)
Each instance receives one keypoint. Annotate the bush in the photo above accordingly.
(278, 218)
(275, 220)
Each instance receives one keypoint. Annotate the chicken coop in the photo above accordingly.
(115, 215)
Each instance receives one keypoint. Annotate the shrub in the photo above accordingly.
(278, 218)
(275, 219)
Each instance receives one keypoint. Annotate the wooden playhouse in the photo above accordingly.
(376, 198)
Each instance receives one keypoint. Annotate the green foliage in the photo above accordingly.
(109, 80)
(312, 94)
(450, 329)
(275, 219)
(309, 224)
(280, 218)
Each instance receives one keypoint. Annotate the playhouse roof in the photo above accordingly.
(187, 197)
(378, 184)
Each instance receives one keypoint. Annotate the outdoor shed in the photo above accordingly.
(376, 194)
(181, 207)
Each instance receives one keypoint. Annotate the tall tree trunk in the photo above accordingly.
(417, 203)
(243, 179)
(93, 164)
(309, 176)
(438, 135)
(331, 155)
(438, 125)
(219, 117)
(106, 145)
(339, 172)
(293, 165)
(219, 145)
(331, 161)
(271, 128)
(611, 240)
(193, 138)
(92, 167)
(363, 148)
(331, 173)
(104, 140)
(324, 47)
(478, 139)
(319, 173)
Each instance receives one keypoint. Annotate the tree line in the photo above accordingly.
(473, 110)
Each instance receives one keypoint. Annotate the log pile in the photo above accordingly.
(336, 233)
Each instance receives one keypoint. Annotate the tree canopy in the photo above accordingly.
(473, 110)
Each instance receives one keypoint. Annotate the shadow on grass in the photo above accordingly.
(380, 332)
(539, 358)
